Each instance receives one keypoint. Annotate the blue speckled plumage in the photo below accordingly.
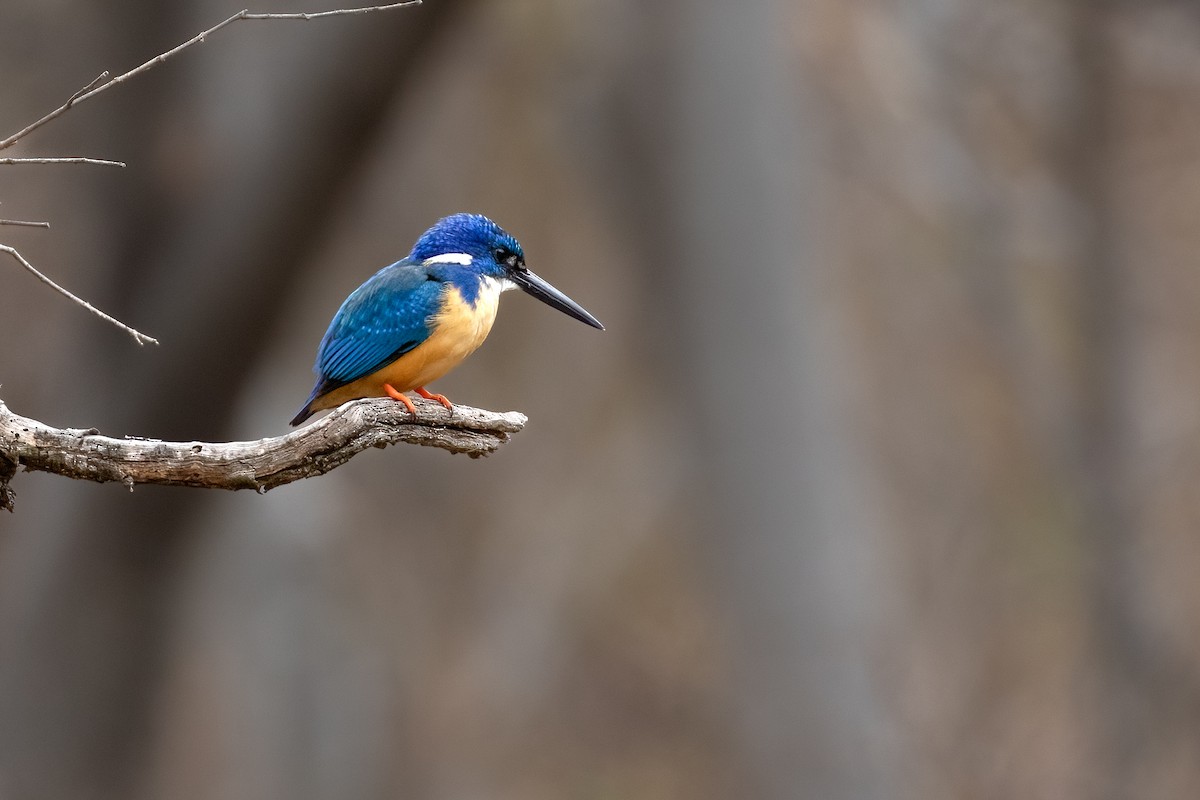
(437, 289)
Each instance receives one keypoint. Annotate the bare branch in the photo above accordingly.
(260, 465)
(337, 12)
(24, 223)
(138, 337)
(58, 112)
(103, 162)
(101, 83)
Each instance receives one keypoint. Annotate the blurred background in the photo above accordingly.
(881, 483)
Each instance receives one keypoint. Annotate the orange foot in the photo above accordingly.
(441, 398)
(392, 393)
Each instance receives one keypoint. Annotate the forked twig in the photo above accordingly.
(58, 112)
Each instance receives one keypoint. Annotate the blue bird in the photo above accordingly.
(414, 321)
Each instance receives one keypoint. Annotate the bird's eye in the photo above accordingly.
(507, 257)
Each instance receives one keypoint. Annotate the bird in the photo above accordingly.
(415, 320)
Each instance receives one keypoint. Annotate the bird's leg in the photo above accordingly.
(428, 395)
(392, 393)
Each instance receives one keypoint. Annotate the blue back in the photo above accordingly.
(379, 322)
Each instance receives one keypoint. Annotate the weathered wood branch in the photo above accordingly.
(263, 464)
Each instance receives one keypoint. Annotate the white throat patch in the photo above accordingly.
(462, 259)
(496, 285)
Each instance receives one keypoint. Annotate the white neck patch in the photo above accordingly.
(462, 259)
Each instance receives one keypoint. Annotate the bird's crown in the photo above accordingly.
(472, 235)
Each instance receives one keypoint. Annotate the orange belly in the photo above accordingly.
(457, 331)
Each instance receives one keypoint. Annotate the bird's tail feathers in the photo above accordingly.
(302, 415)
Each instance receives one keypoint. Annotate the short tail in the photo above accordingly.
(307, 410)
(323, 386)
(302, 415)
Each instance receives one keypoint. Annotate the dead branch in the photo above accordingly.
(58, 112)
(102, 162)
(138, 337)
(102, 81)
(261, 465)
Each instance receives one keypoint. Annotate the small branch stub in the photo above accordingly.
(7, 497)
(261, 465)
(101, 162)
(25, 223)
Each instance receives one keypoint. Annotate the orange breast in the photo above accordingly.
(457, 330)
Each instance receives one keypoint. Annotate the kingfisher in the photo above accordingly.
(415, 320)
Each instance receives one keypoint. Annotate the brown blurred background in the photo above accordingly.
(883, 481)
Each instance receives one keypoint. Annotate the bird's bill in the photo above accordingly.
(534, 286)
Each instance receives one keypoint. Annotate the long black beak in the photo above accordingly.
(534, 286)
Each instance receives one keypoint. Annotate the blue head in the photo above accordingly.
(474, 245)
(487, 245)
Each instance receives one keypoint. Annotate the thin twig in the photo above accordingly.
(100, 83)
(58, 112)
(337, 12)
(138, 337)
(103, 162)
(24, 223)
(260, 465)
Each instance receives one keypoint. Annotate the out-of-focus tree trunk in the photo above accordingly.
(1143, 692)
(749, 301)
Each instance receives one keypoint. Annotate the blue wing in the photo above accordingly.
(379, 322)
